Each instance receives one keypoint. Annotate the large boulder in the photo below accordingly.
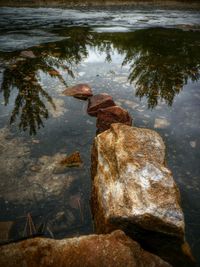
(113, 114)
(112, 250)
(81, 91)
(97, 102)
(134, 191)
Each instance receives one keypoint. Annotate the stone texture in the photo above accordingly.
(132, 188)
(27, 54)
(97, 102)
(81, 91)
(73, 160)
(113, 250)
(114, 114)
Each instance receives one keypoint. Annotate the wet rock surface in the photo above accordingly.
(27, 54)
(114, 114)
(97, 102)
(111, 250)
(133, 189)
(81, 91)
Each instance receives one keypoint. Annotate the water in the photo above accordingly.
(148, 60)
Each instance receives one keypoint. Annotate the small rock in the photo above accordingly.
(74, 160)
(107, 116)
(161, 123)
(35, 168)
(97, 102)
(28, 54)
(81, 91)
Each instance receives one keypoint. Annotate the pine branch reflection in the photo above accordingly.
(161, 62)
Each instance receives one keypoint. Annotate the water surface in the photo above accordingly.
(148, 60)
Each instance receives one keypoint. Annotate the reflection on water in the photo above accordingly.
(161, 62)
(29, 105)
(153, 73)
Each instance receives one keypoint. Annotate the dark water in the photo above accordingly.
(148, 60)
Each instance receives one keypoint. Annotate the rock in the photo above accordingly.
(27, 54)
(112, 250)
(81, 91)
(73, 160)
(107, 116)
(97, 102)
(132, 188)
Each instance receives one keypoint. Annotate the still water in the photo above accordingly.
(147, 59)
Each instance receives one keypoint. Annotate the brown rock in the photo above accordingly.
(112, 250)
(81, 91)
(97, 102)
(73, 160)
(114, 114)
(133, 190)
(27, 54)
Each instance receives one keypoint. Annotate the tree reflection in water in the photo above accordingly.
(161, 62)
(28, 103)
(23, 76)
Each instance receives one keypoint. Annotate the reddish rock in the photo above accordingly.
(107, 116)
(111, 250)
(81, 91)
(97, 102)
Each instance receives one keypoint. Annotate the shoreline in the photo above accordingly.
(105, 3)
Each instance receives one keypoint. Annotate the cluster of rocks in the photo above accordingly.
(132, 188)
(101, 106)
(135, 201)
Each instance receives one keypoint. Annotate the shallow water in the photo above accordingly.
(148, 60)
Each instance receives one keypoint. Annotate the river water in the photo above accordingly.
(147, 59)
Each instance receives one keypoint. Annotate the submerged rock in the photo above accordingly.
(97, 102)
(39, 182)
(28, 54)
(81, 91)
(132, 188)
(73, 160)
(112, 250)
(114, 114)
